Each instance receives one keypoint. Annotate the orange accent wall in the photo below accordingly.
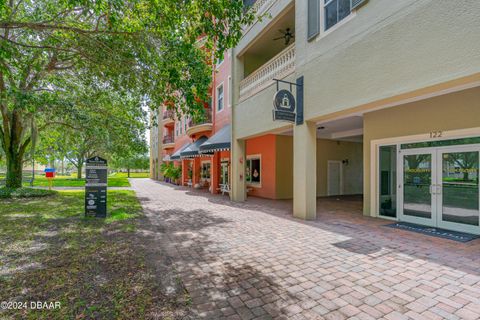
(265, 147)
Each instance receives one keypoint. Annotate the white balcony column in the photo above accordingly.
(305, 171)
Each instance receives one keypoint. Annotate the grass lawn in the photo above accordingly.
(50, 252)
(132, 175)
(72, 181)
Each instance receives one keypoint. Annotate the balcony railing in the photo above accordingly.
(261, 5)
(168, 139)
(278, 67)
(167, 114)
(207, 118)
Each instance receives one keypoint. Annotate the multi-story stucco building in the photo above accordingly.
(391, 107)
(200, 148)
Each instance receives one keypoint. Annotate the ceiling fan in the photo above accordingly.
(287, 35)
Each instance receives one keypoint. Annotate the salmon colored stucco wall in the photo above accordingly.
(265, 147)
(221, 75)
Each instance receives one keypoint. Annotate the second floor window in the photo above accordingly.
(335, 11)
(220, 97)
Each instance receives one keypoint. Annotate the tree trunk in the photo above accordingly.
(128, 172)
(79, 169)
(14, 171)
(14, 152)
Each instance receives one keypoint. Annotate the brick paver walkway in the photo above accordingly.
(253, 261)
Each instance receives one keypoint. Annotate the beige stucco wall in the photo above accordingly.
(326, 150)
(253, 116)
(386, 49)
(454, 111)
(352, 173)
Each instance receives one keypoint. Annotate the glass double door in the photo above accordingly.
(439, 187)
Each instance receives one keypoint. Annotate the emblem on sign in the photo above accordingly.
(284, 106)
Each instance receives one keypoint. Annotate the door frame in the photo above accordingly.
(329, 162)
(439, 183)
(375, 144)
(400, 190)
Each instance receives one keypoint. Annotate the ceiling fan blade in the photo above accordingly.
(282, 32)
(279, 38)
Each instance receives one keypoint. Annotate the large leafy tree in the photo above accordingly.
(97, 121)
(150, 47)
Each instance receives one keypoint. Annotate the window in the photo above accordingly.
(220, 97)
(219, 62)
(224, 172)
(388, 181)
(205, 172)
(335, 11)
(253, 171)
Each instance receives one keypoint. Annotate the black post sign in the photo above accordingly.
(96, 188)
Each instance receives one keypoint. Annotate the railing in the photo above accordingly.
(168, 139)
(261, 5)
(167, 114)
(207, 118)
(278, 67)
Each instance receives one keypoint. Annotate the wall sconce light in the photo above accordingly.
(345, 162)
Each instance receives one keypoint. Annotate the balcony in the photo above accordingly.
(280, 66)
(168, 142)
(259, 6)
(168, 117)
(202, 125)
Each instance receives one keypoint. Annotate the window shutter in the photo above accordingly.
(313, 19)
(354, 4)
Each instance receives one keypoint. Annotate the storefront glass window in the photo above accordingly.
(388, 181)
(253, 171)
(205, 173)
(224, 173)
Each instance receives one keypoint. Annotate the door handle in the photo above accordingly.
(431, 189)
(438, 189)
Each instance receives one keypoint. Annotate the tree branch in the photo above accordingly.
(46, 26)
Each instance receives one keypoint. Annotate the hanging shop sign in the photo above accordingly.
(96, 187)
(285, 106)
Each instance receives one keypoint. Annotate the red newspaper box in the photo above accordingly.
(50, 175)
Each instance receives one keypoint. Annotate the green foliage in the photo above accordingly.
(130, 161)
(56, 54)
(170, 171)
(7, 193)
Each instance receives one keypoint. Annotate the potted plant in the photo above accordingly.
(175, 173)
